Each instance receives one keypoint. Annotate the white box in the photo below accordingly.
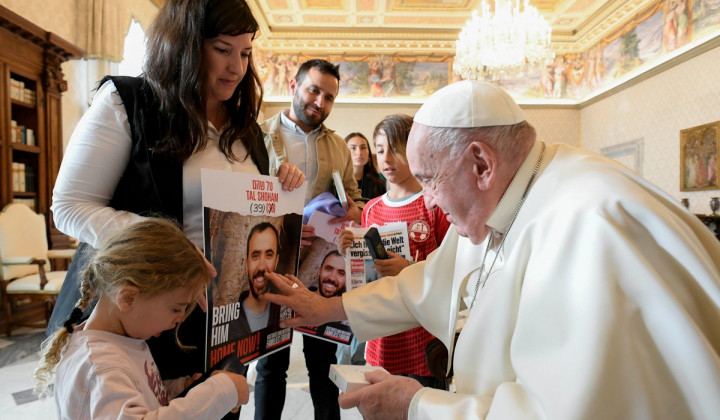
(349, 378)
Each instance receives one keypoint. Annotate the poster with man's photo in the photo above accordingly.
(358, 262)
(322, 270)
(251, 227)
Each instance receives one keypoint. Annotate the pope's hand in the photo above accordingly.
(310, 308)
(387, 398)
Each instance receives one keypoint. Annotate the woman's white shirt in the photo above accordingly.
(210, 157)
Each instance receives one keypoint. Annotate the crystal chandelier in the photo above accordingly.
(504, 44)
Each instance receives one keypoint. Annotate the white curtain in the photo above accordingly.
(102, 25)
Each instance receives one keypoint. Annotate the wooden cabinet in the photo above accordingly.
(31, 84)
(712, 222)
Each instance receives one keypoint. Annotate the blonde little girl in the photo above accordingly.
(146, 279)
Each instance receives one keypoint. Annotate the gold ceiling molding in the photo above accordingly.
(604, 26)
(433, 6)
(349, 56)
(633, 22)
(361, 41)
(425, 24)
(416, 48)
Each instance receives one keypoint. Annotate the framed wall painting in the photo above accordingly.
(699, 157)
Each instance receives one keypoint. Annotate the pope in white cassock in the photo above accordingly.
(592, 293)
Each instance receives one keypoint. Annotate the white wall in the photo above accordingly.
(656, 110)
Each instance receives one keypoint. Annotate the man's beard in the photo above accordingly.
(338, 290)
(255, 294)
(299, 108)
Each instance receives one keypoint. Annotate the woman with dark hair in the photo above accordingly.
(369, 181)
(139, 148)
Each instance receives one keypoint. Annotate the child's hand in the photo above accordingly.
(353, 213)
(190, 379)
(344, 239)
(241, 386)
(392, 266)
(308, 232)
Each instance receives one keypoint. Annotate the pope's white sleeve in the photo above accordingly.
(378, 309)
(94, 161)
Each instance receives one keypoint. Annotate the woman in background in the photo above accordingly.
(369, 181)
(371, 185)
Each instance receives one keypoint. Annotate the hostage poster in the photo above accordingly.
(322, 270)
(251, 227)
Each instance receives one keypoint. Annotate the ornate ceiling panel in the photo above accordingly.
(422, 27)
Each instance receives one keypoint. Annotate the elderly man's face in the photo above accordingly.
(262, 258)
(449, 185)
(331, 278)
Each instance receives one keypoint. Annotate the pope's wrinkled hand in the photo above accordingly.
(310, 308)
(387, 398)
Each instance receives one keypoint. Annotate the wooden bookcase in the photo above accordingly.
(31, 85)
(712, 222)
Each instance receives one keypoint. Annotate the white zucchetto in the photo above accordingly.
(469, 103)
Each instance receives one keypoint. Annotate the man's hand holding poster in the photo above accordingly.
(251, 227)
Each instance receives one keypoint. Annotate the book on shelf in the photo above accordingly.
(18, 176)
(29, 96)
(14, 132)
(17, 88)
(30, 178)
(19, 92)
(30, 136)
(21, 134)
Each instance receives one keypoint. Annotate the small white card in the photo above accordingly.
(349, 378)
